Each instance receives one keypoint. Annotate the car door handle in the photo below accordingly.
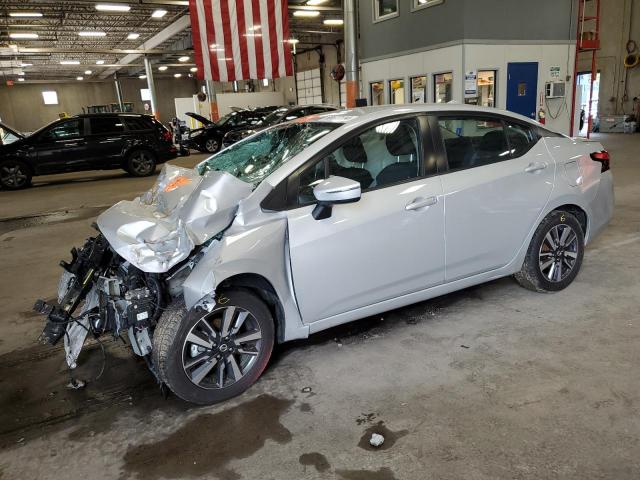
(536, 167)
(419, 203)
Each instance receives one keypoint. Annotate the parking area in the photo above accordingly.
(494, 381)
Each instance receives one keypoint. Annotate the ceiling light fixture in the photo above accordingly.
(162, 68)
(177, 75)
(26, 65)
(333, 21)
(99, 62)
(69, 62)
(158, 13)
(183, 59)
(316, 2)
(20, 73)
(293, 41)
(79, 78)
(193, 69)
(23, 36)
(107, 7)
(306, 13)
(88, 72)
(92, 34)
(142, 77)
(25, 14)
(133, 36)
(21, 79)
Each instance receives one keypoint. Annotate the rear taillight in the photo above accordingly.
(603, 158)
(166, 135)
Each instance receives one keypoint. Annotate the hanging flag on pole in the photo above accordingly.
(241, 39)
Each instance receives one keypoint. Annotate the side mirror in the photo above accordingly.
(332, 191)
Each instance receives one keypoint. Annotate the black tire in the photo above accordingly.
(171, 349)
(536, 273)
(212, 145)
(141, 163)
(15, 175)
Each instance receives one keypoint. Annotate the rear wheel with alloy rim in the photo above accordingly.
(141, 163)
(14, 175)
(207, 357)
(555, 254)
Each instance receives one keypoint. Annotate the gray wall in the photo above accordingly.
(22, 107)
(455, 20)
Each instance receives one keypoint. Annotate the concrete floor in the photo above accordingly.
(489, 383)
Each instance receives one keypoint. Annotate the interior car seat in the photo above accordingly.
(400, 143)
(354, 152)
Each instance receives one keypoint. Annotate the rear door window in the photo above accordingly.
(473, 141)
(521, 138)
(106, 125)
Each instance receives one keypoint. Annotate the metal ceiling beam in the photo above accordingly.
(175, 28)
(101, 50)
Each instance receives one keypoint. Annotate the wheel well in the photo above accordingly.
(261, 287)
(577, 212)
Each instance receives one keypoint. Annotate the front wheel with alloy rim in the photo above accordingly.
(141, 163)
(212, 145)
(208, 357)
(555, 254)
(14, 175)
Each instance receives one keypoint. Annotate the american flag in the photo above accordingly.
(241, 39)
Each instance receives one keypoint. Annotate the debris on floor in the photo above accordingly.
(75, 384)
(306, 390)
(376, 440)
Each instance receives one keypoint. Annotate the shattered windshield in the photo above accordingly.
(253, 159)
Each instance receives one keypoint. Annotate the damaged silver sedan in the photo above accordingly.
(322, 221)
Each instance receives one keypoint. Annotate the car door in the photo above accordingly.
(500, 178)
(62, 147)
(389, 243)
(106, 140)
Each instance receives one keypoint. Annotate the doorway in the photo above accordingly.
(582, 94)
(522, 88)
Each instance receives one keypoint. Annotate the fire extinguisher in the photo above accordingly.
(541, 116)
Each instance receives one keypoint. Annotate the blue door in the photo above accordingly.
(522, 87)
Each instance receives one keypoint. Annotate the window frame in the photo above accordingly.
(428, 161)
(381, 18)
(390, 92)
(415, 6)
(495, 84)
(426, 87)
(438, 142)
(434, 84)
(384, 93)
(44, 137)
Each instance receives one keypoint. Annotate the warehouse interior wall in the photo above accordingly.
(620, 22)
(22, 106)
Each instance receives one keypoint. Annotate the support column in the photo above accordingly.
(118, 92)
(213, 105)
(152, 87)
(351, 53)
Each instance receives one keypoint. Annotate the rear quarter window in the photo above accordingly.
(138, 123)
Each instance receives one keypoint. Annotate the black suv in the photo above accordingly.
(209, 137)
(136, 143)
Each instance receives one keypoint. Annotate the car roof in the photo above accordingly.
(383, 111)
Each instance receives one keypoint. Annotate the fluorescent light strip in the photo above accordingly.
(106, 7)
(133, 36)
(333, 21)
(25, 14)
(23, 36)
(306, 13)
(92, 34)
(158, 13)
(70, 62)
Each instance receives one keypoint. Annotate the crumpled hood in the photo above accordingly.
(183, 209)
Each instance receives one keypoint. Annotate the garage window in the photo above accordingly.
(420, 4)
(50, 97)
(106, 125)
(396, 92)
(473, 142)
(384, 10)
(487, 88)
(377, 93)
(419, 89)
(443, 87)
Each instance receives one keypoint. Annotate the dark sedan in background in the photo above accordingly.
(209, 137)
(279, 115)
(135, 143)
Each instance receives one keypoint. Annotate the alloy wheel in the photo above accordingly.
(558, 253)
(211, 145)
(142, 163)
(221, 347)
(12, 176)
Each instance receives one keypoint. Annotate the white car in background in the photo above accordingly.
(325, 220)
